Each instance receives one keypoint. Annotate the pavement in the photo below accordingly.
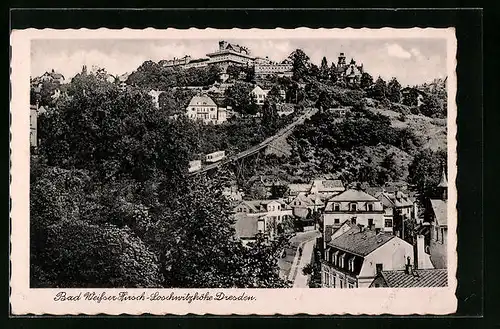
(305, 241)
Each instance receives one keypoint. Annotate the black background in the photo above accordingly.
(469, 26)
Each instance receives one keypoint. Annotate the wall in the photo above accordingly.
(392, 255)
(361, 218)
(438, 249)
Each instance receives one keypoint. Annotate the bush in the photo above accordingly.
(400, 108)
(308, 269)
(414, 110)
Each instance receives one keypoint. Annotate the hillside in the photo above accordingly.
(432, 131)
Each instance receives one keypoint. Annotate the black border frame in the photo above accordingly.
(469, 32)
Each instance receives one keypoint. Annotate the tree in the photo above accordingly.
(239, 97)
(313, 71)
(333, 73)
(394, 91)
(425, 171)
(366, 80)
(324, 70)
(300, 66)
(432, 107)
(270, 115)
(68, 250)
(380, 89)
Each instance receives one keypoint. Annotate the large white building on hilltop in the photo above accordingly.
(202, 107)
(231, 54)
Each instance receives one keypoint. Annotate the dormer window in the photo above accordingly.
(370, 207)
(351, 264)
(336, 207)
(354, 207)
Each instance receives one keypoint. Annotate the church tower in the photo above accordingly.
(341, 62)
(443, 186)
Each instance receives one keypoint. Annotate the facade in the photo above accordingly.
(265, 67)
(411, 278)
(304, 205)
(354, 258)
(204, 108)
(400, 207)
(155, 95)
(259, 94)
(269, 212)
(355, 206)
(230, 54)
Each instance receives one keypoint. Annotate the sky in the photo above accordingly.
(412, 61)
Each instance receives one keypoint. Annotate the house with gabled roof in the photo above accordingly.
(202, 107)
(327, 188)
(356, 206)
(354, 258)
(271, 212)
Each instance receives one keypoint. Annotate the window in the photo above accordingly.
(353, 207)
(342, 258)
(442, 235)
(336, 207)
(351, 264)
(353, 220)
(370, 208)
(388, 222)
(379, 267)
(336, 220)
(370, 222)
(437, 234)
(334, 280)
(341, 283)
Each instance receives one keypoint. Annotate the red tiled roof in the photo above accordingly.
(419, 278)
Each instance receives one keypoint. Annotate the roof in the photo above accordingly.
(419, 278)
(199, 60)
(202, 100)
(398, 199)
(246, 226)
(258, 89)
(443, 182)
(440, 209)
(360, 243)
(331, 185)
(353, 195)
(260, 205)
(299, 187)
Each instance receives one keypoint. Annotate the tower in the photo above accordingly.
(443, 186)
(341, 62)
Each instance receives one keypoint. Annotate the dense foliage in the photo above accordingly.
(111, 207)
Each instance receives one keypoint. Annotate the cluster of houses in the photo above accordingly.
(363, 243)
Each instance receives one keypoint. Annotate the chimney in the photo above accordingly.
(420, 252)
(408, 267)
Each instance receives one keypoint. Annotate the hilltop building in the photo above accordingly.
(230, 54)
(350, 73)
(202, 107)
(51, 76)
(265, 67)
